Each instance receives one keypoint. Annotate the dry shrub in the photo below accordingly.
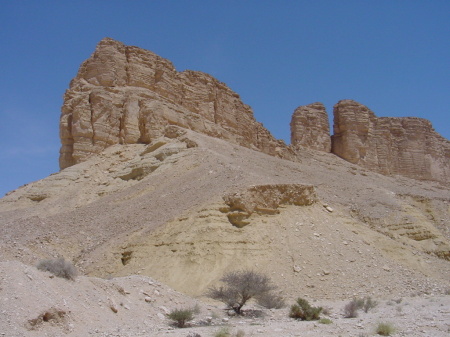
(59, 267)
(270, 300)
(240, 287)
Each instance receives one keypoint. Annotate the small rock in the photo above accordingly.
(297, 269)
(165, 310)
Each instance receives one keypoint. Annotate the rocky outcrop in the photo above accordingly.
(310, 127)
(266, 199)
(127, 95)
(405, 146)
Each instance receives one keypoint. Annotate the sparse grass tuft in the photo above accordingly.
(222, 332)
(325, 321)
(58, 267)
(385, 329)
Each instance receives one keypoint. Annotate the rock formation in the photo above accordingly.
(405, 146)
(310, 127)
(127, 95)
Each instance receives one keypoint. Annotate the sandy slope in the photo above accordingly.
(163, 204)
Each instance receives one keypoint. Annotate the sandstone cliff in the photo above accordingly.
(127, 95)
(310, 127)
(405, 146)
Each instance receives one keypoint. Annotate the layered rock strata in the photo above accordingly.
(405, 146)
(310, 127)
(128, 95)
(125, 95)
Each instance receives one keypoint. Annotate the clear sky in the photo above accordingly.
(391, 55)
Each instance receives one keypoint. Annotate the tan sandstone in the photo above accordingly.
(127, 95)
(404, 146)
(310, 127)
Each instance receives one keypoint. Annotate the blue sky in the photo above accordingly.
(392, 56)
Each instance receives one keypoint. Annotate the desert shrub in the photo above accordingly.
(225, 332)
(240, 287)
(222, 332)
(351, 308)
(181, 316)
(58, 267)
(368, 304)
(270, 300)
(325, 321)
(304, 311)
(326, 311)
(385, 329)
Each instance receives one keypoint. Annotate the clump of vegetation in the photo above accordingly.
(351, 308)
(304, 311)
(325, 321)
(59, 267)
(385, 329)
(225, 332)
(368, 304)
(181, 316)
(240, 287)
(270, 300)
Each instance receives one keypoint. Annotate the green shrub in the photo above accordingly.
(181, 316)
(385, 329)
(325, 321)
(59, 267)
(304, 311)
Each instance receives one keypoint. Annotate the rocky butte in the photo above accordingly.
(128, 95)
(168, 180)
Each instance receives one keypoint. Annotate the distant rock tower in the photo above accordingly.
(310, 127)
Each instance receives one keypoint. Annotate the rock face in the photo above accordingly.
(405, 146)
(126, 95)
(310, 127)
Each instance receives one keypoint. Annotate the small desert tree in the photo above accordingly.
(240, 287)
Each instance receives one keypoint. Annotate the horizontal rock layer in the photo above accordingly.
(128, 95)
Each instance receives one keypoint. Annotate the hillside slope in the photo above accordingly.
(187, 207)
